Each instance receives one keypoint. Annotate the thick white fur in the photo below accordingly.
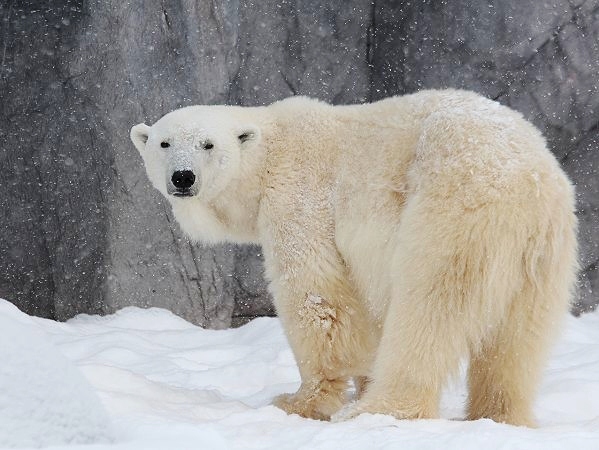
(398, 237)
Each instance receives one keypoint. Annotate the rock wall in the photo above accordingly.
(82, 230)
(54, 175)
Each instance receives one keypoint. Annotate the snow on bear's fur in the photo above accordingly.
(399, 237)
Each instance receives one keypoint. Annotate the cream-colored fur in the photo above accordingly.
(398, 237)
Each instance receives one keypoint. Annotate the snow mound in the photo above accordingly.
(44, 399)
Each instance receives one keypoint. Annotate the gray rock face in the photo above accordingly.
(54, 170)
(83, 231)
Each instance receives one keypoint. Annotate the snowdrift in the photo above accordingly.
(166, 384)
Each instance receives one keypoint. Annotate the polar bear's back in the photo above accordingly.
(446, 140)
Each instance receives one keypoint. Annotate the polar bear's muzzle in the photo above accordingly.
(183, 184)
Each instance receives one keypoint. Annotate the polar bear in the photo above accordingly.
(399, 238)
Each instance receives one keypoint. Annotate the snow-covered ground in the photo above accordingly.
(166, 384)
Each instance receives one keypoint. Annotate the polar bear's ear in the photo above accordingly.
(248, 134)
(139, 135)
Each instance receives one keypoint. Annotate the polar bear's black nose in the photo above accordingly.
(183, 179)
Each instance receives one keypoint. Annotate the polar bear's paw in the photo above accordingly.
(317, 402)
(310, 408)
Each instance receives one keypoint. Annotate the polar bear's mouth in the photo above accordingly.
(183, 193)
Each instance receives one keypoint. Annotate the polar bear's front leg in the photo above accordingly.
(329, 334)
(327, 325)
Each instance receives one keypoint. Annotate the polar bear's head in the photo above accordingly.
(195, 151)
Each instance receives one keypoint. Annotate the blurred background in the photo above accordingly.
(82, 231)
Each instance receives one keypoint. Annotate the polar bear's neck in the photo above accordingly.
(218, 221)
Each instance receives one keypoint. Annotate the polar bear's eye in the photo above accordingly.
(165, 144)
(208, 145)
